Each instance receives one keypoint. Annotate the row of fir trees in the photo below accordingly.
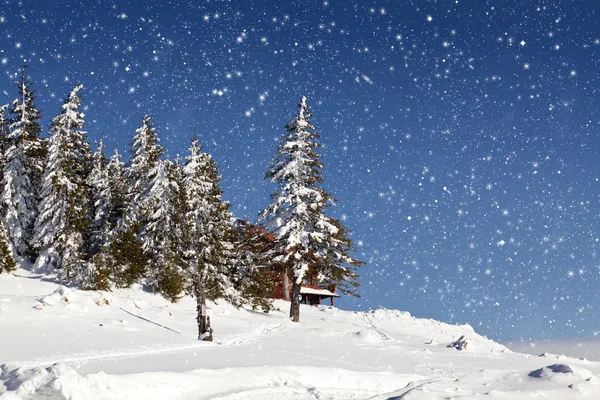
(99, 222)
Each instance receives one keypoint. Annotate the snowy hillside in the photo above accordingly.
(57, 343)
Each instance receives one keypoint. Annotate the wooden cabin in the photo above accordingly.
(312, 293)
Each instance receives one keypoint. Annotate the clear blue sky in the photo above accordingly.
(460, 137)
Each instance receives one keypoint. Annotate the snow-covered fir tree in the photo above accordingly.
(109, 188)
(115, 192)
(4, 130)
(23, 164)
(7, 260)
(4, 141)
(255, 280)
(146, 153)
(97, 181)
(25, 125)
(19, 201)
(4, 121)
(119, 258)
(307, 241)
(165, 233)
(201, 181)
(64, 225)
(129, 202)
(212, 236)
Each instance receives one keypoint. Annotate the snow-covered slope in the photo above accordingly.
(57, 343)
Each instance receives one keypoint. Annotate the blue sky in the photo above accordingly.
(460, 137)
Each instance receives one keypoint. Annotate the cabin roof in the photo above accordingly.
(318, 291)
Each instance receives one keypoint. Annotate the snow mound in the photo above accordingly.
(64, 298)
(369, 337)
(105, 300)
(555, 356)
(551, 369)
(562, 372)
(61, 382)
(57, 382)
(395, 323)
(384, 314)
(61, 295)
(582, 382)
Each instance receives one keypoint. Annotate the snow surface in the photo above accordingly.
(588, 349)
(58, 343)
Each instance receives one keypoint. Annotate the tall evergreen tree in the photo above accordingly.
(19, 202)
(164, 235)
(121, 255)
(4, 144)
(255, 280)
(22, 168)
(308, 242)
(121, 208)
(4, 123)
(212, 236)
(115, 250)
(7, 260)
(111, 191)
(97, 181)
(145, 159)
(115, 192)
(25, 125)
(63, 225)
(4, 139)
(129, 202)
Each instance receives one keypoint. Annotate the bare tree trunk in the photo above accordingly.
(295, 302)
(204, 329)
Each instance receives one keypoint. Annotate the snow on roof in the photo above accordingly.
(320, 292)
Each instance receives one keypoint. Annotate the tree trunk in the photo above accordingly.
(295, 302)
(204, 329)
(286, 284)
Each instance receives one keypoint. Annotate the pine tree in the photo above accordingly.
(122, 257)
(129, 204)
(4, 138)
(212, 236)
(164, 234)
(21, 171)
(25, 125)
(4, 123)
(122, 251)
(118, 257)
(19, 202)
(145, 158)
(122, 208)
(256, 280)
(307, 241)
(199, 186)
(115, 192)
(179, 230)
(7, 260)
(63, 225)
(218, 244)
(97, 181)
